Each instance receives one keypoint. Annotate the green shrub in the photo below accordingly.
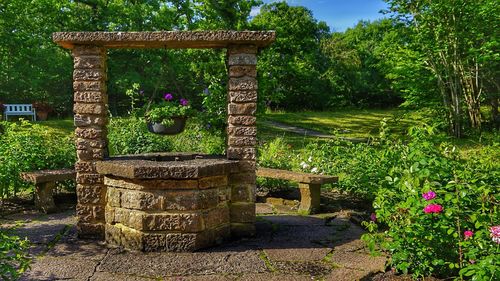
(14, 258)
(130, 136)
(429, 200)
(29, 147)
(274, 154)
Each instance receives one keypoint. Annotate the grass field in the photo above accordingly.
(357, 123)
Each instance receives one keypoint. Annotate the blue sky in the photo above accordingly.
(339, 14)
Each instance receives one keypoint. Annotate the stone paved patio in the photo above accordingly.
(287, 247)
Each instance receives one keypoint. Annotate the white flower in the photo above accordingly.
(314, 170)
(310, 159)
(304, 165)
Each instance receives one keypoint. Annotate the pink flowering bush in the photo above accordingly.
(439, 212)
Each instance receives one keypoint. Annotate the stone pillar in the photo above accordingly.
(90, 108)
(242, 131)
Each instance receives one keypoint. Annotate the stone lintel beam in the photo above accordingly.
(165, 39)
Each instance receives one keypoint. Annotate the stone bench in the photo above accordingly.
(309, 186)
(45, 182)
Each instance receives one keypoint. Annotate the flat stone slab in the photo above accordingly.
(49, 175)
(181, 264)
(164, 39)
(145, 169)
(295, 176)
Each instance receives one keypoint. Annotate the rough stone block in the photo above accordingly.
(243, 178)
(132, 199)
(89, 179)
(154, 242)
(242, 141)
(90, 230)
(242, 120)
(211, 182)
(242, 59)
(88, 50)
(242, 230)
(243, 84)
(240, 71)
(89, 75)
(85, 167)
(89, 144)
(85, 120)
(247, 108)
(241, 153)
(242, 108)
(241, 49)
(109, 214)
(91, 194)
(89, 133)
(243, 96)
(242, 131)
(190, 200)
(247, 165)
(151, 184)
(130, 238)
(85, 86)
(113, 196)
(243, 193)
(181, 242)
(216, 217)
(90, 108)
(242, 212)
(90, 154)
(89, 61)
(188, 222)
(90, 213)
(131, 218)
(90, 97)
(113, 235)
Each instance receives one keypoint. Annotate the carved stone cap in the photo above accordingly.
(165, 39)
(144, 169)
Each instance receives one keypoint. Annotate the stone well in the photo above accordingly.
(177, 203)
(167, 202)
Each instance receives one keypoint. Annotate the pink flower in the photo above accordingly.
(433, 208)
(495, 234)
(429, 195)
(468, 234)
(168, 96)
(184, 102)
(373, 217)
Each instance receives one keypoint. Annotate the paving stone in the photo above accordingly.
(297, 254)
(181, 264)
(264, 208)
(106, 276)
(295, 220)
(201, 278)
(275, 277)
(346, 274)
(91, 250)
(359, 261)
(313, 269)
(55, 268)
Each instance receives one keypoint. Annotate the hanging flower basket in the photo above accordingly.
(174, 129)
(169, 116)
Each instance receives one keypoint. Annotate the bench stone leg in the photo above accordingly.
(309, 198)
(43, 197)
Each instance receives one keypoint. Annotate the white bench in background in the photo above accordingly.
(19, 110)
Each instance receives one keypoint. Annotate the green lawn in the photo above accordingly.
(355, 123)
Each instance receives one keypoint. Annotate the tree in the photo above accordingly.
(291, 68)
(457, 39)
